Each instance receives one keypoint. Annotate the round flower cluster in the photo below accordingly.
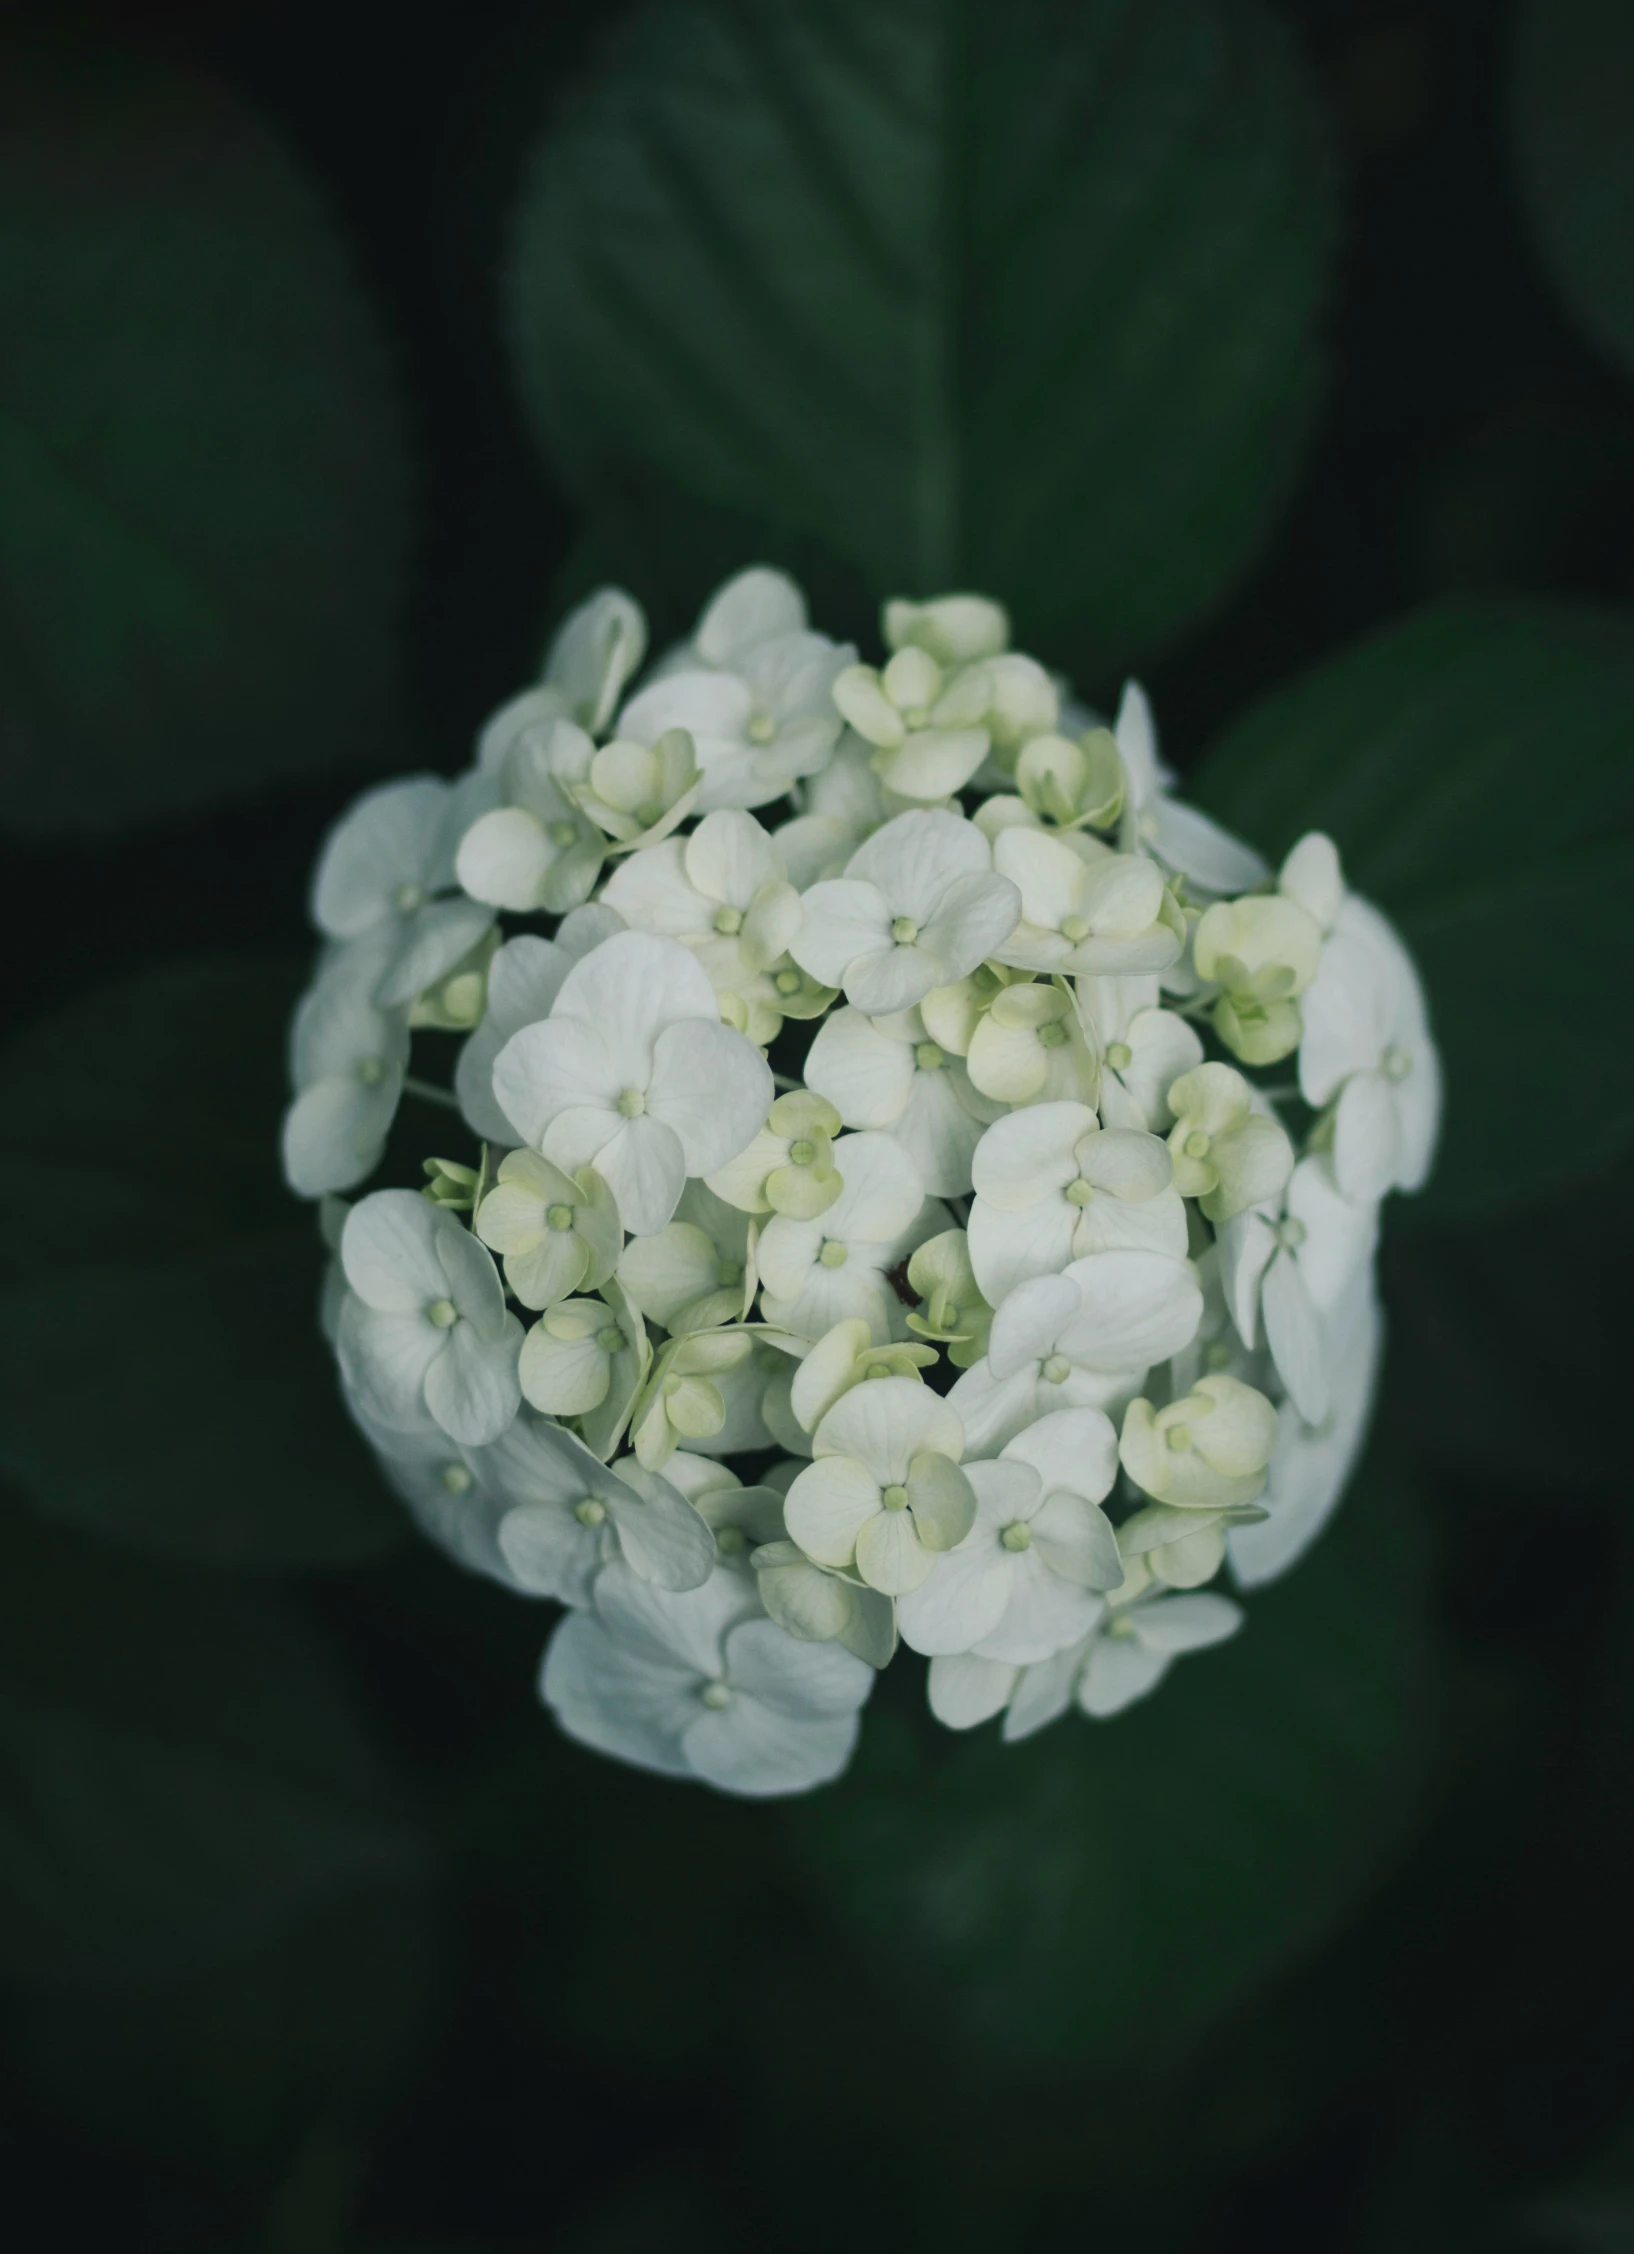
(884, 1081)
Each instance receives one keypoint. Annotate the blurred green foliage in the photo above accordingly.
(1020, 298)
(203, 474)
(316, 1939)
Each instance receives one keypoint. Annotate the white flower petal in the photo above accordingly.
(712, 1089)
(750, 1749)
(616, 1700)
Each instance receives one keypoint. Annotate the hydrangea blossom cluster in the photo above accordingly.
(918, 1182)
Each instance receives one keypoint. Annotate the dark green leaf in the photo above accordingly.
(1023, 297)
(1102, 1887)
(162, 1378)
(202, 462)
(1473, 765)
(1572, 111)
(234, 2064)
(1506, 1336)
(183, 1769)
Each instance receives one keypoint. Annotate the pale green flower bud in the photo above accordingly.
(638, 793)
(1207, 1451)
(1226, 1154)
(820, 1605)
(789, 1166)
(681, 1404)
(450, 1185)
(456, 1002)
(1071, 785)
(951, 1306)
(1263, 951)
(845, 1356)
(953, 629)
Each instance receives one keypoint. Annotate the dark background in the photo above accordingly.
(549, 2003)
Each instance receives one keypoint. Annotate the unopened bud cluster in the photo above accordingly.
(919, 1179)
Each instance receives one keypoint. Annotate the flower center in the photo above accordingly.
(1056, 1370)
(762, 728)
(1018, 1535)
(1396, 1063)
(561, 834)
(834, 1254)
(407, 898)
(717, 1694)
(1079, 1192)
(802, 1151)
(1217, 1356)
(456, 1480)
(1178, 1437)
(904, 930)
(728, 922)
(787, 982)
(443, 1313)
(632, 1103)
(727, 1274)
(590, 1512)
(1053, 1035)
(731, 1541)
(371, 1072)
(559, 1216)
(1119, 1055)
(894, 1498)
(1290, 1234)
(611, 1339)
(928, 1057)
(1197, 1144)
(1074, 930)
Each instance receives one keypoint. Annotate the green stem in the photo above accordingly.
(430, 1093)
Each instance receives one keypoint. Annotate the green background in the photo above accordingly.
(1284, 352)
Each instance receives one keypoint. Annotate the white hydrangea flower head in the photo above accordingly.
(758, 702)
(387, 869)
(570, 1515)
(536, 848)
(1053, 1186)
(1082, 1340)
(1294, 1267)
(907, 710)
(347, 1058)
(1113, 914)
(634, 1073)
(887, 1072)
(1367, 1051)
(524, 979)
(1142, 1050)
(425, 1337)
(919, 906)
(815, 1273)
(1053, 1298)
(1027, 1578)
(1029, 1046)
(884, 1494)
(700, 1683)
